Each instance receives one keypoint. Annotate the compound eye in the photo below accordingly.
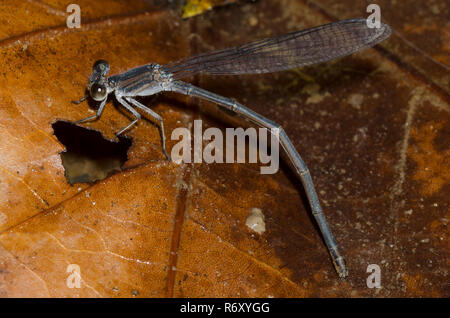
(98, 92)
(101, 66)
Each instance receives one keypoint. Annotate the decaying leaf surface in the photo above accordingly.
(196, 7)
(372, 128)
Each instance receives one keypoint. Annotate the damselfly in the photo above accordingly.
(311, 46)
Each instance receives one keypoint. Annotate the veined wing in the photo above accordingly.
(292, 50)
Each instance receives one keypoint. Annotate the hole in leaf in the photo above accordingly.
(89, 156)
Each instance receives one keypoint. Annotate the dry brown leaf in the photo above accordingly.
(158, 229)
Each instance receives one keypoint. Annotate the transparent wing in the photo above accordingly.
(310, 46)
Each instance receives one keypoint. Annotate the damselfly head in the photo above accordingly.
(101, 67)
(98, 84)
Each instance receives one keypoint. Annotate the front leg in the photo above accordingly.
(76, 102)
(97, 115)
